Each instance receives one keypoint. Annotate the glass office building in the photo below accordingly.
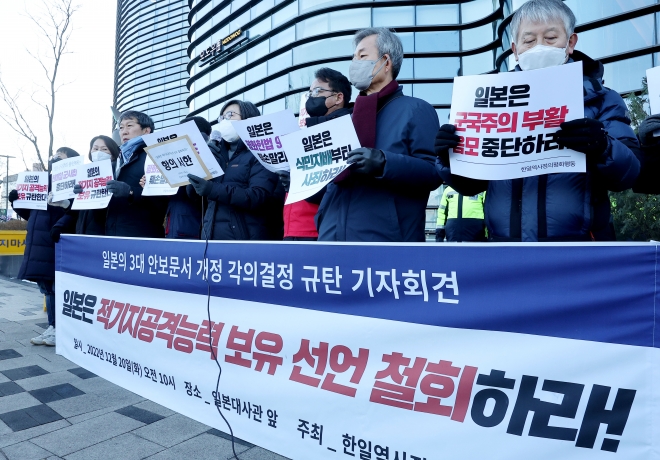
(267, 51)
(151, 58)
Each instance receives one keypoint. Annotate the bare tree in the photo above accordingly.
(54, 24)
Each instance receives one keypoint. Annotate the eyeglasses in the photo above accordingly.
(229, 115)
(315, 92)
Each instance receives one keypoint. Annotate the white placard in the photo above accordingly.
(318, 155)
(187, 129)
(63, 175)
(262, 136)
(177, 158)
(507, 123)
(155, 184)
(32, 188)
(653, 83)
(302, 114)
(93, 178)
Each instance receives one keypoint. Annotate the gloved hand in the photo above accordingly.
(646, 130)
(55, 233)
(77, 189)
(585, 135)
(62, 204)
(368, 161)
(201, 186)
(119, 189)
(285, 178)
(440, 234)
(445, 139)
(143, 181)
(13, 196)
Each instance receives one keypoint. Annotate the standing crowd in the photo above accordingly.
(383, 196)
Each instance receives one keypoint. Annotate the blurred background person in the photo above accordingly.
(649, 157)
(460, 218)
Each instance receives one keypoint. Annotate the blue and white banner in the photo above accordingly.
(402, 352)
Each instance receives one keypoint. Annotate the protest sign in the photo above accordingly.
(189, 129)
(32, 188)
(302, 111)
(63, 178)
(93, 178)
(262, 136)
(155, 183)
(176, 158)
(506, 123)
(317, 155)
(653, 84)
(328, 350)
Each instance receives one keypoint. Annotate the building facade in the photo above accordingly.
(151, 58)
(266, 51)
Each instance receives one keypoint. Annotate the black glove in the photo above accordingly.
(445, 139)
(119, 189)
(440, 234)
(201, 186)
(77, 189)
(646, 130)
(13, 196)
(55, 233)
(370, 162)
(585, 135)
(285, 178)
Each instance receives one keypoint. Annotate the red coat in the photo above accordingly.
(299, 219)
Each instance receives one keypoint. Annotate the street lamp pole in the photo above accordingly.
(7, 187)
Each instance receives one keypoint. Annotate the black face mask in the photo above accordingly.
(316, 106)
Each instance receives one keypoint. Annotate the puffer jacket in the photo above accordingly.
(567, 206)
(235, 209)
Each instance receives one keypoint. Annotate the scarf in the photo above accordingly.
(130, 147)
(365, 111)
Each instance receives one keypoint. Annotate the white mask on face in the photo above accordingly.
(542, 56)
(99, 155)
(227, 131)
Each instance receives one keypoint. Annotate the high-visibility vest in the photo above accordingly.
(453, 205)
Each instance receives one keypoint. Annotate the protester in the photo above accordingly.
(460, 218)
(39, 257)
(88, 221)
(130, 213)
(235, 208)
(383, 196)
(649, 157)
(328, 98)
(568, 206)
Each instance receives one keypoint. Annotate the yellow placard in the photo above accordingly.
(12, 242)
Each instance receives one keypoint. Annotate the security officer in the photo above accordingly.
(460, 218)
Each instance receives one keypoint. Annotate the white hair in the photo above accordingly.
(543, 11)
(387, 43)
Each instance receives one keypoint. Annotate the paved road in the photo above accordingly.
(51, 408)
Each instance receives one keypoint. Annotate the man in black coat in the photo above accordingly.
(129, 213)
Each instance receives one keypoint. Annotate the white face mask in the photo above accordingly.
(542, 56)
(99, 155)
(227, 131)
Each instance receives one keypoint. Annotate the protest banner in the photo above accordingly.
(506, 123)
(93, 178)
(12, 242)
(32, 188)
(262, 136)
(176, 158)
(330, 350)
(63, 178)
(318, 155)
(155, 183)
(189, 129)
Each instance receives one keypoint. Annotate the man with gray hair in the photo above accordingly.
(383, 195)
(568, 206)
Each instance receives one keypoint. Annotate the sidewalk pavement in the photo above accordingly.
(52, 409)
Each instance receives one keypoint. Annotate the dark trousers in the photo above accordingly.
(47, 287)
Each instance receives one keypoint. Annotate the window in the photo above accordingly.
(436, 41)
(433, 93)
(431, 15)
(277, 86)
(437, 67)
(394, 16)
(278, 63)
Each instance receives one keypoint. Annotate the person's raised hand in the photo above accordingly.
(367, 161)
(445, 139)
(119, 189)
(201, 186)
(584, 135)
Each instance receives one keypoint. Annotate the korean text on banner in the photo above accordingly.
(64, 178)
(93, 178)
(176, 158)
(507, 123)
(262, 136)
(32, 188)
(155, 184)
(187, 129)
(317, 155)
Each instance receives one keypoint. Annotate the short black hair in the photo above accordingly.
(202, 124)
(109, 142)
(336, 80)
(248, 109)
(143, 119)
(69, 152)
